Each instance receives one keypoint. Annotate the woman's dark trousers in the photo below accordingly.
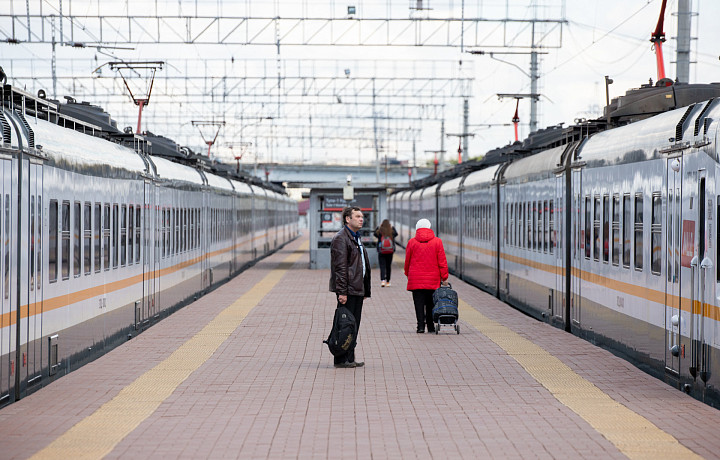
(423, 308)
(385, 262)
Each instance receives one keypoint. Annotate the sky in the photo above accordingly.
(609, 37)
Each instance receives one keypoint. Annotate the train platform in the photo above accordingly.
(243, 373)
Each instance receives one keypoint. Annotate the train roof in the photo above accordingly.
(540, 165)
(66, 145)
(639, 141)
(242, 188)
(430, 191)
(169, 170)
(222, 183)
(481, 177)
(451, 186)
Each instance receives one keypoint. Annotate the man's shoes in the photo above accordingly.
(358, 363)
(382, 283)
(420, 331)
(387, 283)
(346, 365)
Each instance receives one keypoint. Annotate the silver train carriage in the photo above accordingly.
(613, 237)
(98, 240)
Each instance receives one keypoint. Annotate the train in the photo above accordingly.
(103, 232)
(608, 229)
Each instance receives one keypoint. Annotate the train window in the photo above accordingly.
(606, 228)
(87, 238)
(131, 233)
(106, 236)
(638, 227)
(596, 228)
(185, 229)
(115, 235)
(38, 249)
(588, 223)
(616, 230)
(626, 230)
(32, 243)
(536, 226)
(65, 240)
(656, 234)
(177, 231)
(508, 224)
(97, 235)
(77, 232)
(138, 215)
(123, 235)
(528, 225)
(546, 227)
(717, 241)
(52, 243)
(164, 225)
(551, 219)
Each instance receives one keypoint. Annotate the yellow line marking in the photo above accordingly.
(634, 435)
(97, 435)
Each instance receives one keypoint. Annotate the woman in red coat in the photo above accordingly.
(426, 268)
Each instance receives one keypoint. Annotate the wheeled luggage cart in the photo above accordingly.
(445, 310)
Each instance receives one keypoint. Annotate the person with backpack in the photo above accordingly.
(426, 269)
(385, 234)
(350, 276)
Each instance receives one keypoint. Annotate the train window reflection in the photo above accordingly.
(616, 230)
(87, 238)
(96, 236)
(638, 232)
(106, 236)
(77, 231)
(587, 226)
(656, 234)
(596, 228)
(627, 212)
(65, 240)
(52, 244)
(606, 228)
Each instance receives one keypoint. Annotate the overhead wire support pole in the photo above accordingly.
(153, 66)
(657, 38)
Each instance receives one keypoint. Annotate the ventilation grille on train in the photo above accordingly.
(5, 129)
(701, 117)
(30, 133)
(681, 124)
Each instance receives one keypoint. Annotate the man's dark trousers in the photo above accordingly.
(354, 304)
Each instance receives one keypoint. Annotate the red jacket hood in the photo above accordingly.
(424, 235)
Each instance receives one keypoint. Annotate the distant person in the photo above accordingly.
(385, 234)
(426, 268)
(350, 273)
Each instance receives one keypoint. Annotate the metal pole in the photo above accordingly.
(377, 151)
(466, 115)
(684, 25)
(442, 146)
(533, 86)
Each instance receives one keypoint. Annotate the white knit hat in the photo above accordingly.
(422, 223)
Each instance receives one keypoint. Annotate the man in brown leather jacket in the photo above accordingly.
(350, 273)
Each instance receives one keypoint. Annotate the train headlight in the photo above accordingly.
(675, 165)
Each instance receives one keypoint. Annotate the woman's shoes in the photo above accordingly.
(420, 331)
(387, 283)
(382, 283)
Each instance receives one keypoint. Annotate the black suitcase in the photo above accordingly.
(445, 309)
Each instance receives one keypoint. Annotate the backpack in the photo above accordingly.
(343, 333)
(386, 245)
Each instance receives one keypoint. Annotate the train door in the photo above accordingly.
(144, 312)
(698, 231)
(673, 336)
(556, 245)
(7, 330)
(31, 287)
(577, 250)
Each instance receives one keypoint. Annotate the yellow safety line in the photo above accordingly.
(634, 435)
(97, 435)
